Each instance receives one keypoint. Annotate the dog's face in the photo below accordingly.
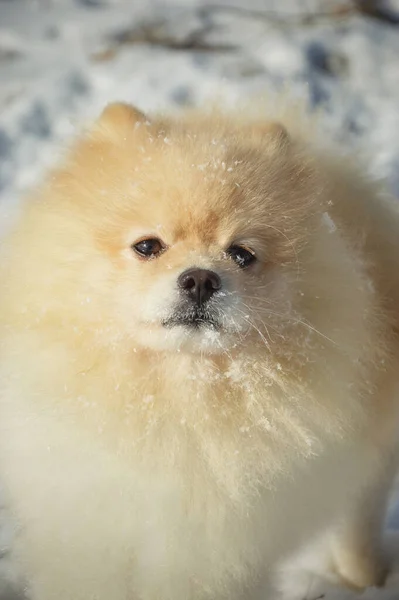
(201, 228)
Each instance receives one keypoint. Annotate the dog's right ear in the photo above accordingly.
(116, 120)
(274, 130)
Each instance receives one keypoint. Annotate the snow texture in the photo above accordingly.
(61, 61)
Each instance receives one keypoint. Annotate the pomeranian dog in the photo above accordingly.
(199, 362)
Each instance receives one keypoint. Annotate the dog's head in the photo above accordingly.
(197, 225)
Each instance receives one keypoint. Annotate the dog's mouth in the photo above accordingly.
(193, 318)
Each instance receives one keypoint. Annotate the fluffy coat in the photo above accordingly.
(146, 463)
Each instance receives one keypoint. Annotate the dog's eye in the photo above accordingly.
(149, 248)
(241, 255)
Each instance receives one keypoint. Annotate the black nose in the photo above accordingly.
(199, 284)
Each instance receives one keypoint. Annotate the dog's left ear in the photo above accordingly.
(271, 135)
(118, 119)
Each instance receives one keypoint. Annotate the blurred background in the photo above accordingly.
(61, 61)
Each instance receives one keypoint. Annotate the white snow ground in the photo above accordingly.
(62, 60)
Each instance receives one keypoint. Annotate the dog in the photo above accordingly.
(199, 325)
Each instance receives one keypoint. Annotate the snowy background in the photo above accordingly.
(62, 60)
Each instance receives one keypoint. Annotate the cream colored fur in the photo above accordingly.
(144, 463)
